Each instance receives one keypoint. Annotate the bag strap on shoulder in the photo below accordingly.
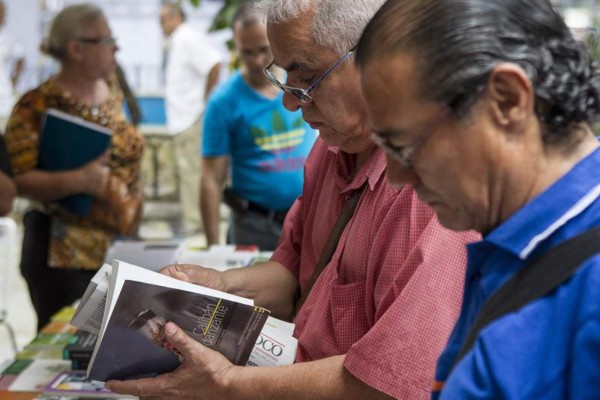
(334, 237)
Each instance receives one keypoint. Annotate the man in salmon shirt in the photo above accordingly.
(381, 310)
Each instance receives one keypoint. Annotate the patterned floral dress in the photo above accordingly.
(75, 241)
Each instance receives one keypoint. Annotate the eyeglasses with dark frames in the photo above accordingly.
(405, 155)
(304, 94)
(106, 41)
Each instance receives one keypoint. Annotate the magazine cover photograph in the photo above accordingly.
(134, 344)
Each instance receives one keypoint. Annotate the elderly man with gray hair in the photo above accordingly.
(379, 279)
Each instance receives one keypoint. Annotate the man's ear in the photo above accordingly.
(511, 95)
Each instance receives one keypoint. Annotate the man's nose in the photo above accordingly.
(291, 102)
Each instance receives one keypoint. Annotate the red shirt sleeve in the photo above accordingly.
(287, 252)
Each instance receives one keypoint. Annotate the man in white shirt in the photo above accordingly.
(190, 58)
(11, 66)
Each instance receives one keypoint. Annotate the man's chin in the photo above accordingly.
(331, 137)
(449, 220)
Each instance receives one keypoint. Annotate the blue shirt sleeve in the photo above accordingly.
(216, 135)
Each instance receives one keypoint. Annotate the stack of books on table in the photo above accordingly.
(156, 254)
(79, 350)
(221, 257)
(40, 372)
(151, 254)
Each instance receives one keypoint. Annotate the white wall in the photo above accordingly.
(23, 25)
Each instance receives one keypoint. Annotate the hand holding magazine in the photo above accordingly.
(135, 304)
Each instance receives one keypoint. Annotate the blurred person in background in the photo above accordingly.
(61, 250)
(247, 128)
(12, 62)
(189, 59)
(485, 108)
(8, 189)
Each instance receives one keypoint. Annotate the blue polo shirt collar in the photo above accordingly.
(550, 210)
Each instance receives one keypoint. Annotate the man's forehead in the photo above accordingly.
(294, 56)
(293, 45)
(300, 55)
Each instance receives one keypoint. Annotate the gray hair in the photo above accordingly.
(67, 25)
(337, 24)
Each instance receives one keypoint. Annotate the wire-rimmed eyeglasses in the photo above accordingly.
(303, 94)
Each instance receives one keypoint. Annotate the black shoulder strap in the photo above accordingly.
(536, 279)
(332, 242)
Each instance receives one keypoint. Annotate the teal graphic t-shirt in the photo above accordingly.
(266, 143)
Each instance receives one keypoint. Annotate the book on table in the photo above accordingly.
(80, 350)
(135, 303)
(68, 142)
(75, 383)
(30, 375)
(152, 254)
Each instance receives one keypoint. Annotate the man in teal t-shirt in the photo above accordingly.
(247, 128)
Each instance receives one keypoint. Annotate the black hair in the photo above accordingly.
(457, 43)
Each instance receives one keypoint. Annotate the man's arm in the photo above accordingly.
(269, 284)
(212, 179)
(8, 191)
(212, 79)
(207, 374)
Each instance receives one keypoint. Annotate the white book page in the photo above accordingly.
(283, 326)
(273, 348)
(89, 313)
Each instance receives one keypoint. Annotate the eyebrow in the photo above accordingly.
(297, 66)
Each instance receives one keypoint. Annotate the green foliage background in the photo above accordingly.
(224, 16)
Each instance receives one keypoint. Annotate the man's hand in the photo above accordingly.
(198, 275)
(204, 373)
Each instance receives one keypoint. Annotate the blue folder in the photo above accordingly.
(68, 142)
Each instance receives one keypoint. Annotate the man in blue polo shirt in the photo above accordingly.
(246, 125)
(485, 107)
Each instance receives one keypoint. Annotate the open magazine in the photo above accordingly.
(127, 306)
